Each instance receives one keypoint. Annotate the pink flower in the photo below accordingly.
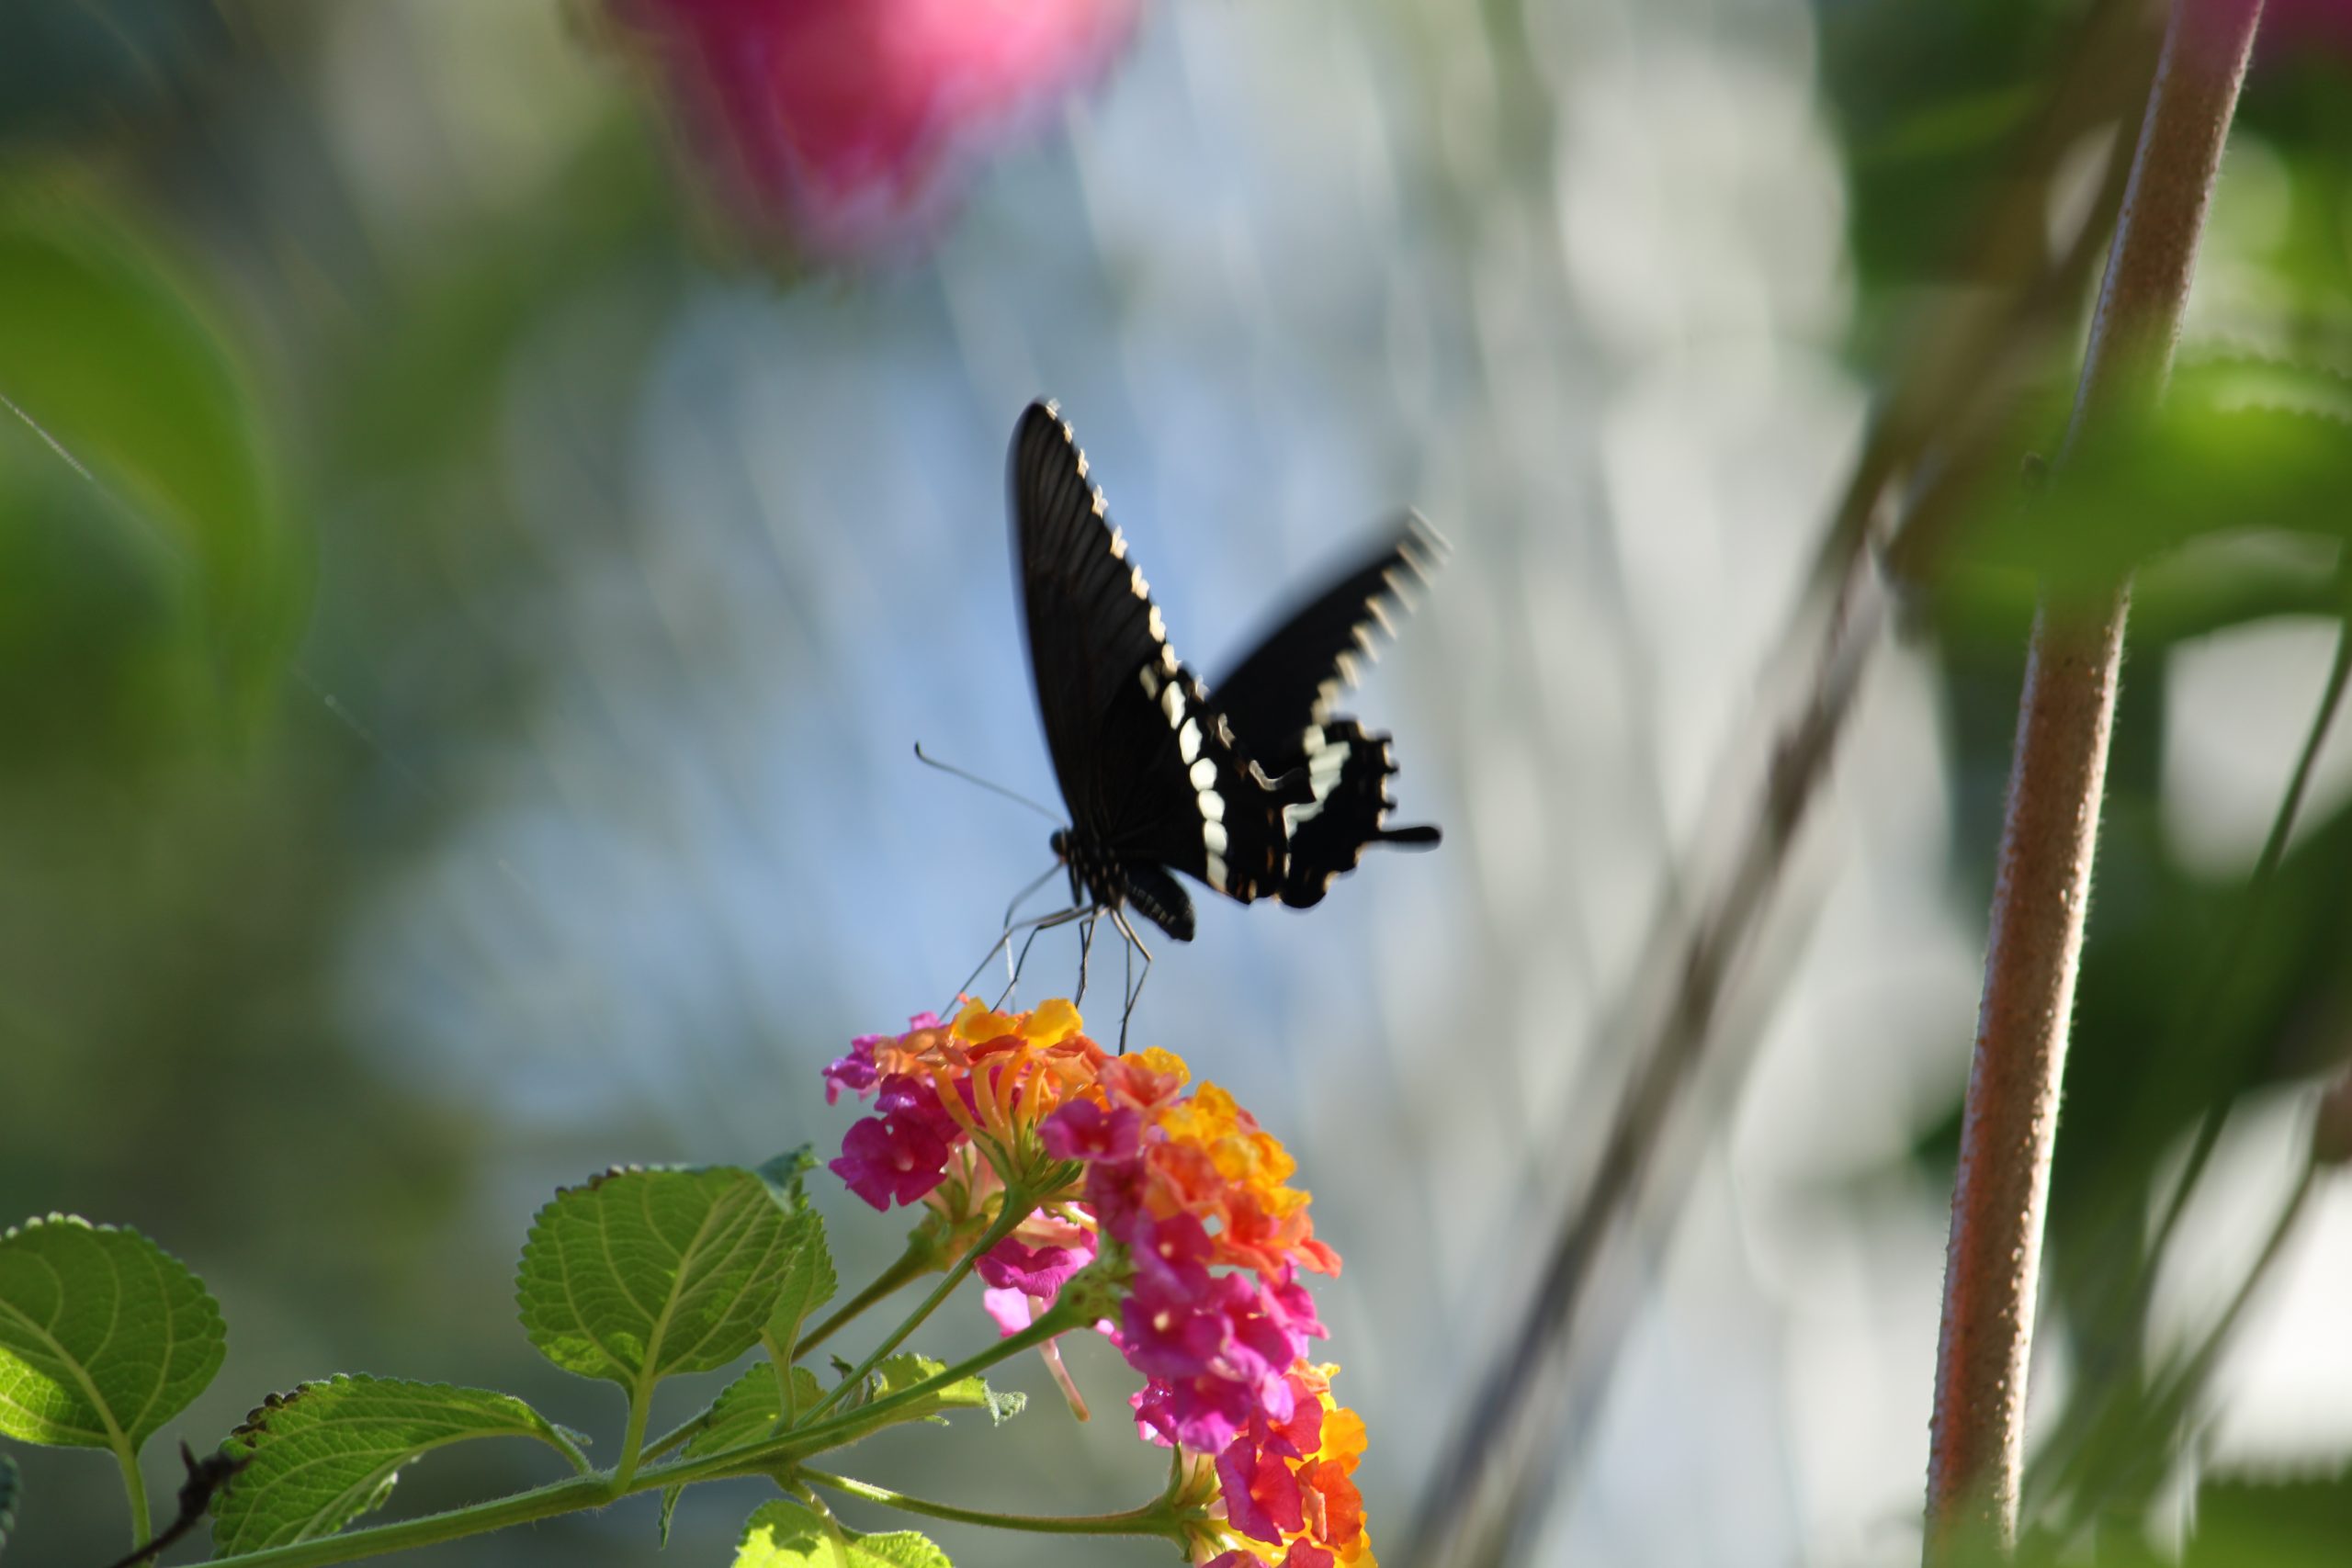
(1189, 1201)
(858, 1072)
(1202, 1413)
(891, 1161)
(901, 1153)
(1083, 1130)
(853, 122)
(1262, 1496)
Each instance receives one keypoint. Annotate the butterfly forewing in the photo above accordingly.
(1294, 675)
(1149, 772)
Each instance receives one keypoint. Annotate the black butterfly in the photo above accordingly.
(1251, 786)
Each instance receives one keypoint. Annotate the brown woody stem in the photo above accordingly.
(2056, 782)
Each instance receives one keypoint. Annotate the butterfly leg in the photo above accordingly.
(1085, 950)
(1011, 969)
(1004, 940)
(1135, 981)
(1037, 928)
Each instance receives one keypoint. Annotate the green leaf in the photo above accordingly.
(809, 1283)
(787, 1534)
(2283, 1522)
(320, 1456)
(786, 1176)
(11, 1484)
(643, 1274)
(745, 1411)
(904, 1371)
(103, 1335)
(2201, 466)
(108, 353)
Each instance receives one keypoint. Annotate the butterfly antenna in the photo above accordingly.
(931, 762)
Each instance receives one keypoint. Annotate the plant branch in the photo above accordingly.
(912, 1264)
(579, 1494)
(1152, 1519)
(2056, 785)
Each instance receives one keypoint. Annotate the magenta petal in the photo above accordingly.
(1010, 1308)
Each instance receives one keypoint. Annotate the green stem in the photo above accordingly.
(1015, 1209)
(523, 1507)
(640, 1407)
(135, 1485)
(660, 1446)
(912, 1264)
(852, 1425)
(1154, 1518)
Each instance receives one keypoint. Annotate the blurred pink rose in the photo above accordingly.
(852, 123)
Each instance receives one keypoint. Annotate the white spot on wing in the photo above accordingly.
(1135, 581)
(1203, 774)
(1215, 869)
(1188, 740)
(1211, 806)
(1158, 627)
(1213, 837)
(1151, 682)
(1118, 546)
(1172, 703)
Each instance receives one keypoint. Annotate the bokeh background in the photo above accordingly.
(470, 580)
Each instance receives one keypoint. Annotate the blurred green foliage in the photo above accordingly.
(152, 566)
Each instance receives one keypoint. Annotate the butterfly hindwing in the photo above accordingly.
(1348, 771)
(1149, 770)
(1279, 701)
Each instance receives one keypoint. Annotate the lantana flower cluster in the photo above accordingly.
(1185, 1199)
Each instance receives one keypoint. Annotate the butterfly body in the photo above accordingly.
(1252, 787)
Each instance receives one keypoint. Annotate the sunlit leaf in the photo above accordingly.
(643, 1274)
(901, 1372)
(808, 1282)
(103, 1335)
(321, 1456)
(787, 1534)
